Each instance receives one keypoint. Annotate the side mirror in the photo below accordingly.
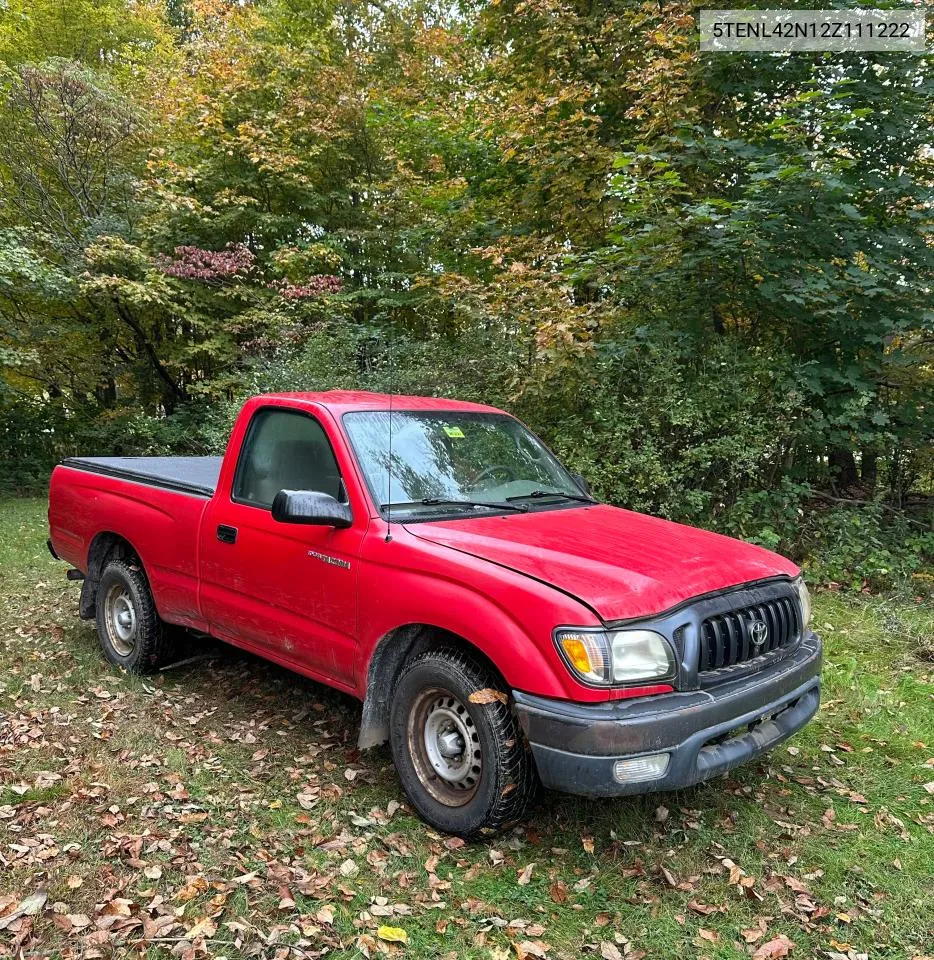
(582, 483)
(312, 507)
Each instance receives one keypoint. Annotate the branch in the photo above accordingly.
(146, 344)
(865, 503)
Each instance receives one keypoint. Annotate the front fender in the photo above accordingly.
(506, 616)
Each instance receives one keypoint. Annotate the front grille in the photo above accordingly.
(736, 636)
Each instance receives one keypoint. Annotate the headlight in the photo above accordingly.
(605, 657)
(804, 598)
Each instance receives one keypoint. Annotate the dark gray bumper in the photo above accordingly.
(705, 732)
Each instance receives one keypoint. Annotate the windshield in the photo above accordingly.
(477, 459)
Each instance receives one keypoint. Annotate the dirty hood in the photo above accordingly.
(619, 563)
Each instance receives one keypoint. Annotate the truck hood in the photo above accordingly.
(619, 563)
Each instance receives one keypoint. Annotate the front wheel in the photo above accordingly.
(457, 745)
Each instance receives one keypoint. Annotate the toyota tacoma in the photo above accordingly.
(434, 559)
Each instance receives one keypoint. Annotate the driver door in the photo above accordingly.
(286, 590)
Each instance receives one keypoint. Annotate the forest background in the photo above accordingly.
(705, 280)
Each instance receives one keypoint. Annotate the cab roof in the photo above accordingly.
(345, 401)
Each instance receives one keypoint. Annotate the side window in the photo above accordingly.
(285, 450)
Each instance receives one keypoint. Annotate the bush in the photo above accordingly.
(867, 547)
(671, 426)
(700, 433)
(37, 433)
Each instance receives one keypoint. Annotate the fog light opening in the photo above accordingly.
(638, 769)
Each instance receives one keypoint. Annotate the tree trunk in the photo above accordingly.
(843, 473)
(869, 473)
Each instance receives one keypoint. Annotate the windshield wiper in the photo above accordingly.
(539, 494)
(443, 502)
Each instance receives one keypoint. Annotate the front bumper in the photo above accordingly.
(705, 732)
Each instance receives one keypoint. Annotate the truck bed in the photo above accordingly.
(193, 475)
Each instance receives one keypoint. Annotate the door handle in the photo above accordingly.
(226, 534)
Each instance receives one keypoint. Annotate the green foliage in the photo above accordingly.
(676, 426)
(867, 548)
(35, 433)
(86, 31)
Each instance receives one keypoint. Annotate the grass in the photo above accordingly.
(221, 809)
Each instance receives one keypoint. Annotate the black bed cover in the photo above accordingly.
(195, 475)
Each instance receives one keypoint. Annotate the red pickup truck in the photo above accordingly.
(434, 559)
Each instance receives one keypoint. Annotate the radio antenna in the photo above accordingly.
(392, 388)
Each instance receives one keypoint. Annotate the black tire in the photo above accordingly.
(499, 781)
(139, 642)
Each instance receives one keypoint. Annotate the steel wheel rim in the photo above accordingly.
(444, 744)
(120, 617)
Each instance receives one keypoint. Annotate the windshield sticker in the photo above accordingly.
(454, 432)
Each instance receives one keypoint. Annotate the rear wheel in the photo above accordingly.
(458, 747)
(129, 629)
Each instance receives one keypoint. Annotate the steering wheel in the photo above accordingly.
(501, 469)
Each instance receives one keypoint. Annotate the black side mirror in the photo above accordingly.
(312, 507)
(582, 483)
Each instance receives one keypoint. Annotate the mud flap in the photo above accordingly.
(87, 605)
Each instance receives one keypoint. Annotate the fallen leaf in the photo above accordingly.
(796, 885)
(526, 875)
(780, 946)
(392, 934)
(205, 927)
(191, 889)
(28, 907)
(711, 936)
(488, 695)
(117, 907)
(609, 951)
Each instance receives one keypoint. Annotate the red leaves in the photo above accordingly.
(196, 263)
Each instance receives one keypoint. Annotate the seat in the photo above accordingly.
(305, 465)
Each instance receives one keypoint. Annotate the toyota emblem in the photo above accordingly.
(759, 632)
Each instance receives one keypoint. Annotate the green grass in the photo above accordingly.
(158, 796)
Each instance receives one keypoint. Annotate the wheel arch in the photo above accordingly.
(105, 546)
(391, 653)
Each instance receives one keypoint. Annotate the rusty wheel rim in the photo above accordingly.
(444, 744)
(120, 618)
